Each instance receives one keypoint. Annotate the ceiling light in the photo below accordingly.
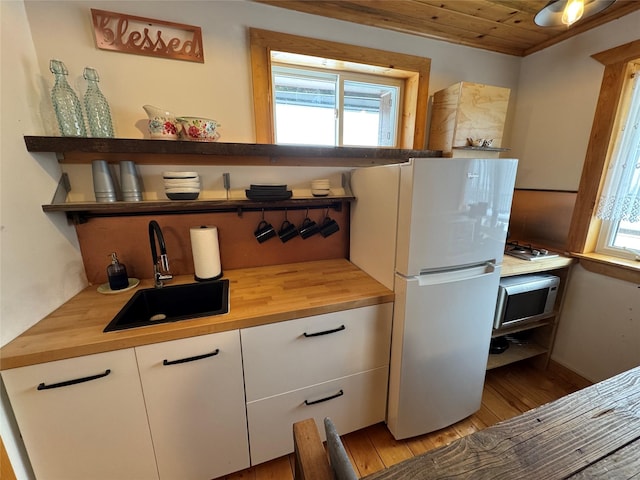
(566, 12)
(572, 12)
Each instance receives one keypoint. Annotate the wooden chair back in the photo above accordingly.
(311, 461)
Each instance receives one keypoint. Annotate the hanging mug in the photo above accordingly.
(308, 228)
(328, 227)
(265, 230)
(287, 231)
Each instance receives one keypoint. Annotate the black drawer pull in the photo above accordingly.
(331, 397)
(191, 359)
(42, 386)
(326, 332)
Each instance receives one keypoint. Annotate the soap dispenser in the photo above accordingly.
(117, 273)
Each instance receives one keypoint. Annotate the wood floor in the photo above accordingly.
(508, 391)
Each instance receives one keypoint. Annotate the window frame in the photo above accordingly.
(585, 227)
(412, 69)
(609, 228)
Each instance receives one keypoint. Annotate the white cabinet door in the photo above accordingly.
(289, 355)
(83, 418)
(352, 402)
(194, 393)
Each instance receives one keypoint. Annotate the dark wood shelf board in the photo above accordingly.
(147, 151)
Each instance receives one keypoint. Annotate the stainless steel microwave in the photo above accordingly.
(525, 299)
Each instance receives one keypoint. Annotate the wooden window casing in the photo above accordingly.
(413, 69)
(585, 227)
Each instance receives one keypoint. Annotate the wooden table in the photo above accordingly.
(591, 434)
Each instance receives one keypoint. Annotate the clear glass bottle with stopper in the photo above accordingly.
(96, 106)
(66, 103)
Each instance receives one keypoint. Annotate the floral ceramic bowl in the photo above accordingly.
(199, 129)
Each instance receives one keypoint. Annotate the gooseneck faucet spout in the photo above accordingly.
(161, 262)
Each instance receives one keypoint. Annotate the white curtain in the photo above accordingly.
(620, 199)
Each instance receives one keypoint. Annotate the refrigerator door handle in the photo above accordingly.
(455, 275)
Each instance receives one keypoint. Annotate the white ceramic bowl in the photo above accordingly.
(320, 192)
(175, 175)
(182, 183)
(320, 183)
(182, 190)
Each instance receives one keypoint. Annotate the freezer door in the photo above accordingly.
(440, 343)
(452, 212)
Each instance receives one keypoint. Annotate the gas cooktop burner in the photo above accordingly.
(527, 252)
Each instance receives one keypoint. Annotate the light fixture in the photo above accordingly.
(566, 12)
(572, 12)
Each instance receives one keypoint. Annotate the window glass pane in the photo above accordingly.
(304, 109)
(370, 114)
(627, 236)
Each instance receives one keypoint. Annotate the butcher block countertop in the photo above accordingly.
(258, 296)
(515, 266)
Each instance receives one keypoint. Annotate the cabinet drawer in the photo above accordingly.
(80, 422)
(352, 402)
(194, 394)
(279, 357)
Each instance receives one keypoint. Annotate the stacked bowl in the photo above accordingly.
(320, 187)
(181, 185)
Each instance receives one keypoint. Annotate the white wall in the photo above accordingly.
(599, 334)
(40, 264)
(221, 87)
(557, 96)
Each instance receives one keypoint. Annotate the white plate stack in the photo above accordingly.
(320, 187)
(181, 185)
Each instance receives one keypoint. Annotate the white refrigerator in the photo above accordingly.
(433, 230)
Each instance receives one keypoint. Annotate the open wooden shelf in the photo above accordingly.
(163, 152)
(482, 149)
(176, 152)
(515, 353)
(524, 326)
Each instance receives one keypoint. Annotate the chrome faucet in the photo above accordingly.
(160, 263)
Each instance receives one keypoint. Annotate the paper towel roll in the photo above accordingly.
(206, 252)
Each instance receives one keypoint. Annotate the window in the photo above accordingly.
(411, 71)
(619, 204)
(585, 226)
(326, 107)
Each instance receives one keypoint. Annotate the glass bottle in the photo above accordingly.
(66, 103)
(96, 106)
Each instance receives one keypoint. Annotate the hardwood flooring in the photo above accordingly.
(508, 391)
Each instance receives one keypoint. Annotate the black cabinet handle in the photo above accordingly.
(326, 332)
(191, 359)
(66, 383)
(331, 397)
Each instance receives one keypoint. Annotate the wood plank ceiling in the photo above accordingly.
(504, 26)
